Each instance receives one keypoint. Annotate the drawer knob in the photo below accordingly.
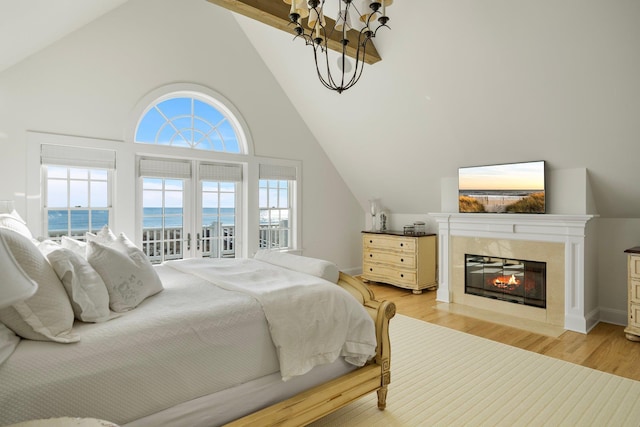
(401, 244)
(371, 269)
(370, 255)
(401, 259)
(370, 241)
(401, 275)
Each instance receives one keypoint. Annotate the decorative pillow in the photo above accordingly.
(77, 246)
(104, 236)
(47, 315)
(126, 271)
(14, 222)
(314, 266)
(47, 246)
(8, 342)
(85, 288)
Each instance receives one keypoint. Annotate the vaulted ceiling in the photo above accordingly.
(460, 83)
(26, 26)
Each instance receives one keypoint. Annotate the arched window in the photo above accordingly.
(190, 205)
(190, 120)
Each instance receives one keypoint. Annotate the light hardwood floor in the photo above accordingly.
(605, 348)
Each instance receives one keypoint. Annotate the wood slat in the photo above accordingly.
(276, 14)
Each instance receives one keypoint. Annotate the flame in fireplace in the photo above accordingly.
(506, 283)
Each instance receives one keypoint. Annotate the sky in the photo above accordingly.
(515, 176)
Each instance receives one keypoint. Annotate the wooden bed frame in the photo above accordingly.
(324, 399)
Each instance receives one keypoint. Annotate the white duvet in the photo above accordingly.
(312, 321)
(190, 340)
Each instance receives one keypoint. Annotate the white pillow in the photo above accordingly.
(85, 288)
(47, 315)
(8, 342)
(14, 222)
(77, 246)
(126, 271)
(104, 236)
(314, 266)
(47, 246)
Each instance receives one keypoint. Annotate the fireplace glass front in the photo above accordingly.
(512, 280)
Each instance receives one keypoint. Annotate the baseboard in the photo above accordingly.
(354, 271)
(614, 316)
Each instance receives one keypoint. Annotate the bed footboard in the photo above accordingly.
(324, 399)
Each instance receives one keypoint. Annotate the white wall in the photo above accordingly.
(467, 82)
(88, 83)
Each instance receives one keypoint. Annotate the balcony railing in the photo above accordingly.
(216, 241)
(164, 245)
(273, 236)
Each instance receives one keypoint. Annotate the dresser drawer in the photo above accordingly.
(634, 291)
(634, 266)
(399, 260)
(634, 315)
(400, 244)
(389, 275)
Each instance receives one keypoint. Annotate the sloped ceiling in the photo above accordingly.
(470, 83)
(461, 83)
(26, 26)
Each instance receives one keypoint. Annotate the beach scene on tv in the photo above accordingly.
(507, 188)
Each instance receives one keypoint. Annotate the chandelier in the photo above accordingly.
(366, 17)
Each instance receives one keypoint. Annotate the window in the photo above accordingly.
(218, 198)
(162, 218)
(190, 122)
(165, 235)
(77, 183)
(275, 204)
(175, 201)
(208, 197)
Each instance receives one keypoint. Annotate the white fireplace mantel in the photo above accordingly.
(580, 313)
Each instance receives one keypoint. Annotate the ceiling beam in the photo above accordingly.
(276, 14)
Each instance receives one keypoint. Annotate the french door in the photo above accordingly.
(186, 214)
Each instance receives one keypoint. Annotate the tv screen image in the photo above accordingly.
(504, 188)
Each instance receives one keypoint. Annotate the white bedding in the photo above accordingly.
(305, 333)
(189, 341)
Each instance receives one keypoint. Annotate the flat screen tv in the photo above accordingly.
(504, 188)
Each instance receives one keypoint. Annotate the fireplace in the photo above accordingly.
(512, 280)
(560, 241)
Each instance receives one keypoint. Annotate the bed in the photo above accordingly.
(221, 342)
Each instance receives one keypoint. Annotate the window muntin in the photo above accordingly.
(275, 205)
(189, 122)
(77, 201)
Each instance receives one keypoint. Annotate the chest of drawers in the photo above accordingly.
(405, 261)
(632, 331)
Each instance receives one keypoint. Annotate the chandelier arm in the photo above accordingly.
(322, 79)
(360, 55)
(318, 37)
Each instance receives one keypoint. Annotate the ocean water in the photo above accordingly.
(58, 220)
